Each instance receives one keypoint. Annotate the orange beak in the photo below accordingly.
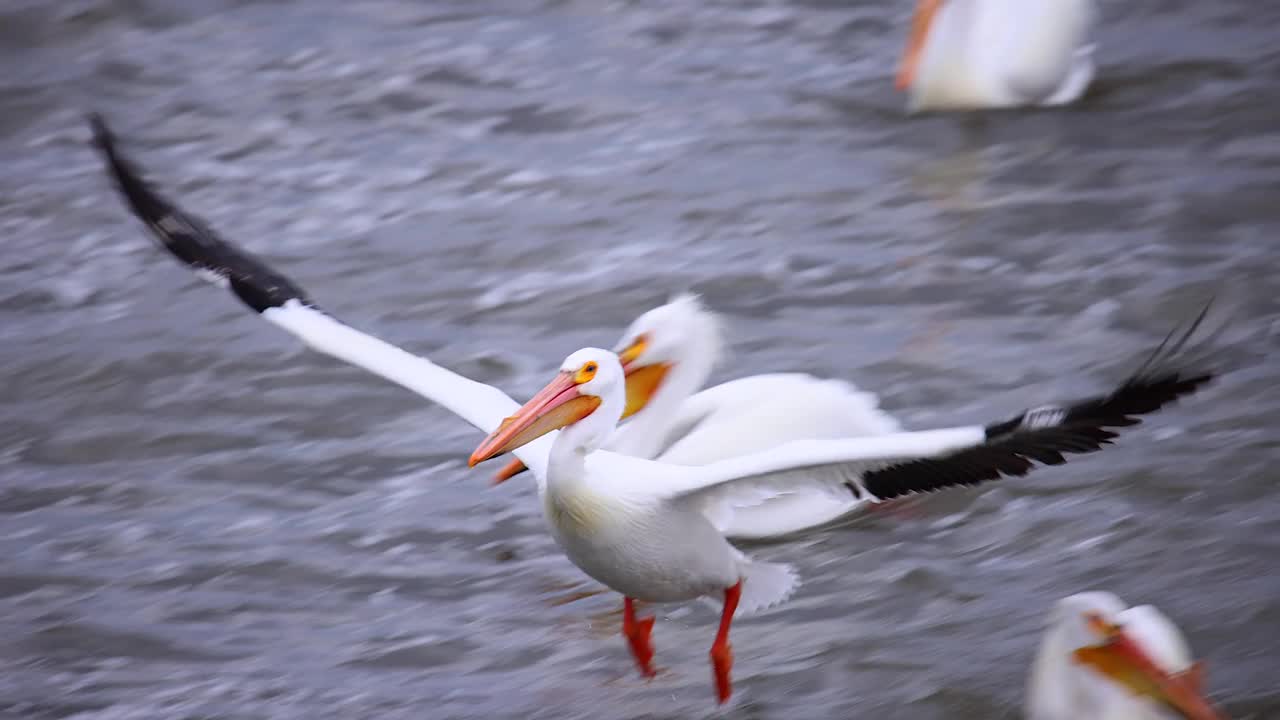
(926, 10)
(555, 406)
(642, 383)
(1125, 662)
(508, 471)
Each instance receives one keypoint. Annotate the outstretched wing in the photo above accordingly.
(887, 466)
(283, 303)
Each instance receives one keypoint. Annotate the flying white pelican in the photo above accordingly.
(668, 353)
(1099, 659)
(649, 529)
(967, 54)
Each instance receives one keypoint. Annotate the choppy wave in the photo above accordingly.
(202, 519)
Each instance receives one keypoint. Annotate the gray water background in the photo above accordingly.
(201, 519)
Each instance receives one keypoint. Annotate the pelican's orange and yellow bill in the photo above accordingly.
(555, 406)
(508, 471)
(926, 10)
(642, 383)
(1123, 661)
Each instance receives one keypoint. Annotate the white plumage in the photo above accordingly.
(968, 54)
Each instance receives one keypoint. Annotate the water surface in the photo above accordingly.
(202, 519)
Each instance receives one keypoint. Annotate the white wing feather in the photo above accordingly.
(763, 412)
(830, 465)
(285, 305)
(481, 405)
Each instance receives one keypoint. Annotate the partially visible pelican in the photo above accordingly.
(654, 531)
(969, 54)
(1104, 661)
(668, 353)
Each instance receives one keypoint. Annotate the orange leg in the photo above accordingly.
(721, 650)
(637, 633)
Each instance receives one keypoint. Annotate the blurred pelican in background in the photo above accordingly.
(970, 54)
(1104, 661)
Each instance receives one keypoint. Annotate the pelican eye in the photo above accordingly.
(586, 372)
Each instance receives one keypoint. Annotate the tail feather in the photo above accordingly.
(1077, 80)
(765, 584)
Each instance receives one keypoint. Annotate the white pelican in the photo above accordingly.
(968, 54)
(1099, 659)
(654, 530)
(668, 353)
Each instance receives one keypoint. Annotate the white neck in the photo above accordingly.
(571, 447)
(646, 431)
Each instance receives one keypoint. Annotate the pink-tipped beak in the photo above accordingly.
(642, 383)
(555, 406)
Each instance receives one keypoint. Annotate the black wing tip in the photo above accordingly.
(141, 199)
(102, 135)
(1165, 377)
(1004, 427)
(189, 239)
(1140, 396)
(1048, 435)
(104, 139)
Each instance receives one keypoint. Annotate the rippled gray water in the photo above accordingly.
(201, 519)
